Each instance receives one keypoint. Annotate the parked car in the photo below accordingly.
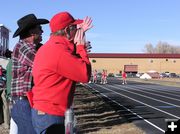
(139, 74)
(131, 75)
(110, 75)
(173, 75)
(154, 75)
(118, 75)
(163, 75)
(167, 73)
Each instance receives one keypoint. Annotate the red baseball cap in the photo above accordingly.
(62, 20)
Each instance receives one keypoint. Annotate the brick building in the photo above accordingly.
(135, 62)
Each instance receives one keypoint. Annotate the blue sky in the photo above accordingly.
(120, 26)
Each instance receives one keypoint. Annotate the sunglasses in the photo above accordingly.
(73, 27)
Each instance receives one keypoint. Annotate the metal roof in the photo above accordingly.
(1, 25)
(132, 55)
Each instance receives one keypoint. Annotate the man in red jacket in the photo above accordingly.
(58, 65)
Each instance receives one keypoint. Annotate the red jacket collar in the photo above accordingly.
(62, 40)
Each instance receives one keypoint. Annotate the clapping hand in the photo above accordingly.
(79, 38)
(86, 24)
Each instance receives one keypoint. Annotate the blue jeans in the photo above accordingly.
(21, 114)
(47, 124)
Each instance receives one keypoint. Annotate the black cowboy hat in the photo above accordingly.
(27, 22)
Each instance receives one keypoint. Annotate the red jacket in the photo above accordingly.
(56, 70)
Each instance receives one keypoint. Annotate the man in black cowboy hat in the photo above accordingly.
(30, 35)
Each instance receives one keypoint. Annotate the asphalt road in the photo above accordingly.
(146, 105)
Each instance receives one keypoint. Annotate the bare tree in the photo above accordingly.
(149, 48)
(162, 47)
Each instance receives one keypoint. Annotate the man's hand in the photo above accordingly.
(86, 25)
(79, 38)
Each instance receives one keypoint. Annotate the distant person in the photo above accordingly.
(95, 76)
(6, 94)
(13, 125)
(124, 76)
(1, 71)
(30, 35)
(104, 77)
(58, 65)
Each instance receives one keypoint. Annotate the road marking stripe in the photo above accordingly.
(160, 91)
(146, 97)
(142, 103)
(128, 109)
(148, 92)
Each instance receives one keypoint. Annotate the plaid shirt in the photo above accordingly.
(22, 62)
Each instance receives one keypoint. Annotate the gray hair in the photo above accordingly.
(59, 32)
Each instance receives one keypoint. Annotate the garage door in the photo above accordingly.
(131, 68)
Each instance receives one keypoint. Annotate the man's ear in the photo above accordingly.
(67, 32)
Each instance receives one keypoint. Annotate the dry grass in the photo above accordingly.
(96, 115)
(127, 128)
(3, 129)
(164, 81)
